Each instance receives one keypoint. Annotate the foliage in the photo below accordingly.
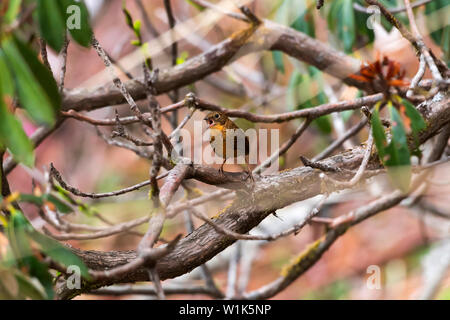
(438, 24)
(24, 259)
(25, 81)
(55, 19)
(27, 84)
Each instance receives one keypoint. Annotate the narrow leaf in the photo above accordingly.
(13, 137)
(378, 133)
(43, 76)
(51, 23)
(13, 11)
(36, 88)
(6, 79)
(277, 57)
(417, 122)
(77, 18)
(59, 253)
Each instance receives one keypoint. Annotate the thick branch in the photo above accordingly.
(268, 36)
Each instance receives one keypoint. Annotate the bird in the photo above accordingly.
(219, 123)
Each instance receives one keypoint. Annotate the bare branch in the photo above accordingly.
(55, 173)
(44, 55)
(106, 232)
(284, 148)
(399, 9)
(150, 290)
(314, 252)
(337, 143)
(62, 75)
(269, 36)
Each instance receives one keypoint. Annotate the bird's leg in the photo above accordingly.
(221, 167)
(249, 172)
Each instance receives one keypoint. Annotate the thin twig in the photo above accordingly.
(139, 152)
(425, 51)
(44, 55)
(311, 113)
(206, 273)
(337, 143)
(106, 232)
(357, 177)
(314, 252)
(146, 257)
(62, 75)
(121, 132)
(117, 82)
(169, 289)
(154, 278)
(284, 148)
(399, 9)
(417, 77)
(173, 210)
(174, 47)
(218, 8)
(124, 120)
(57, 175)
(233, 265)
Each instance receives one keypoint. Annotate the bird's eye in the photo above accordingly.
(216, 116)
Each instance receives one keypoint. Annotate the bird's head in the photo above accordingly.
(215, 118)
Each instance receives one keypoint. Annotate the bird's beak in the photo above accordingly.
(209, 121)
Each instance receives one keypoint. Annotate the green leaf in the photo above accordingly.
(28, 288)
(44, 77)
(39, 201)
(436, 25)
(196, 5)
(13, 11)
(289, 11)
(305, 90)
(18, 240)
(417, 124)
(18, 231)
(51, 23)
(378, 133)
(297, 15)
(399, 151)
(35, 85)
(346, 25)
(137, 26)
(59, 253)
(182, 57)
(323, 123)
(31, 199)
(277, 57)
(399, 157)
(417, 121)
(445, 45)
(296, 87)
(39, 270)
(305, 23)
(341, 20)
(135, 43)
(13, 137)
(6, 79)
(59, 204)
(437, 12)
(362, 30)
(76, 15)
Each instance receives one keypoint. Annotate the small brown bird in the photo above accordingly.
(219, 124)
